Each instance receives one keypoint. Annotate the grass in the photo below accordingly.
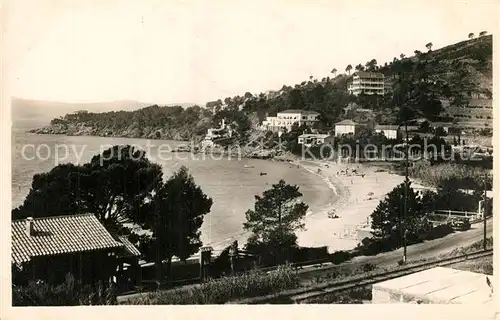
(476, 246)
(219, 291)
(483, 265)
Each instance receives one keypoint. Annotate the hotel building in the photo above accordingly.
(367, 83)
(286, 119)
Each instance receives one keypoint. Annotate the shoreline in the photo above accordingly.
(353, 205)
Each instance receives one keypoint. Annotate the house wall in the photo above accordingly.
(89, 267)
(287, 120)
(344, 129)
(390, 134)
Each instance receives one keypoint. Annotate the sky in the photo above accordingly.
(160, 51)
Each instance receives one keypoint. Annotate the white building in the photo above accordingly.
(367, 83)
(286, 119)
(390, 131)
(313, 139)
(345, 127)
(445, 125)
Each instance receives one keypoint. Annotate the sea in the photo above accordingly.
(231, 183)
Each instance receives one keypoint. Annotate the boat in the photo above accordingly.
(247, 166)
(263, 173)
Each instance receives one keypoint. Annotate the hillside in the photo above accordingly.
(453, 83)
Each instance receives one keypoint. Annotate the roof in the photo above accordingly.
(316, 135)
(441, 124)
(299, 111)
(346, 122)
(365, 74)
(481, 103)
(386, 127)
(440, 285)
(59, 235)
(128, 249)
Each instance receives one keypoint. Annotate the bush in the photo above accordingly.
(339, 256)
(66, 294)
(439, 232)
(218, 291)
(367, 267)
(374, 246)
(303, 254)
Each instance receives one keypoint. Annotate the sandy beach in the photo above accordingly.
(353, 207)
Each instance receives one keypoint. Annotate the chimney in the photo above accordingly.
(29, 226)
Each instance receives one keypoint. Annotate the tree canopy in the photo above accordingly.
(387, 219)
(176, 215)
(278, 213)
(114, 186)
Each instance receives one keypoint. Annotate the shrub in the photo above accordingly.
(339, 256)
(66, 294)
(367, 267)
(439, 231)
(218, 291)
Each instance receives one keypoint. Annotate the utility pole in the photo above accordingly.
(484, 213)
(405, 208)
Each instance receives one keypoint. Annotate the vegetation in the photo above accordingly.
(175, 215)
(463, 176)
(66, 294)
(387, 217)
(218, 291)
(125, 190)
(114, 185)
(277, 215)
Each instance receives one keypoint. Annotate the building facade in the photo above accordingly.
(367, 83)
(284, 120)
(390, 131)
(314, 139)
(345, 127)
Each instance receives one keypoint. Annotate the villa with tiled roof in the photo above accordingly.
(50, 247)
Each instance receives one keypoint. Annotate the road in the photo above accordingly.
(428, 249)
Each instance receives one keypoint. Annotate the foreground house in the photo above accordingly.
(284, 120)
(48, 248)
(313, 139)
(367, 83)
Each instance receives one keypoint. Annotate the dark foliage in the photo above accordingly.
(114, 186)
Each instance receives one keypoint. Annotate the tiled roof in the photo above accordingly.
(299, 111)
(386, 127)
(364, 74)
(346, 122)
(441, 124)
(128, 250)
(59, 235)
